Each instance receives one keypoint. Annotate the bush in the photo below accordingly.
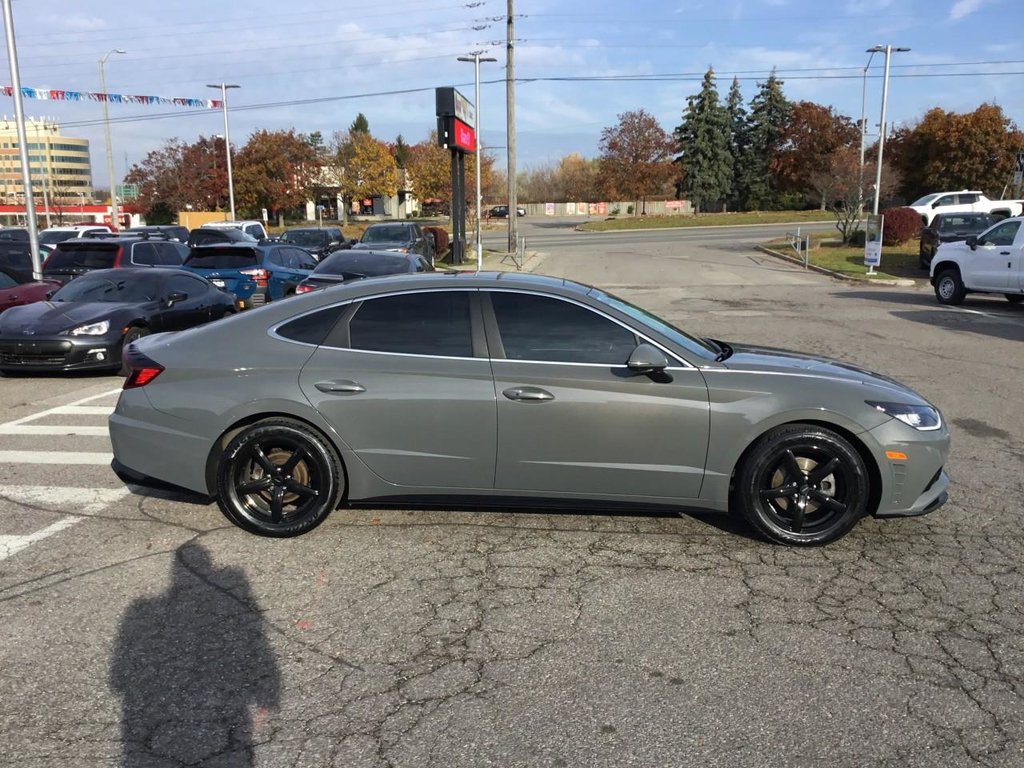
(857, 239)
(900, 225)
(441, 240)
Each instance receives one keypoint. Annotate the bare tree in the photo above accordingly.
(842, 190)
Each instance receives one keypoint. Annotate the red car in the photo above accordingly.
(14, 293)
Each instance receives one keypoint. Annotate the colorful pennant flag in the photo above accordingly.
(111, 98)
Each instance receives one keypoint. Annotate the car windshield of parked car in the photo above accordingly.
(84, 257)
(132, 288)
(965, 223)
(6, 281)
(926, 199)
(305, 238)
(366, 265)
(50, 237)
(691, 344)
(221, 258)
(386, 234)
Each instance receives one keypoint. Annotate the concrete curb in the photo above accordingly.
(493, 263)
(903, 282)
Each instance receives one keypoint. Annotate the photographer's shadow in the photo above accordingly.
(195, 672)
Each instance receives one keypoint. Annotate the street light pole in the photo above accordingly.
(881, 125)
(476, 59)
(106, 135)
(223, 87)
(864, 127)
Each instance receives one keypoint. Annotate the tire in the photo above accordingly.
(1014, 298)
(279, 477)
(133, 334)
(949, 288)
(781, 492)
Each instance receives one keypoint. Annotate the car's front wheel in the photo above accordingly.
(802, 484)
(279, 477)
(949, 288)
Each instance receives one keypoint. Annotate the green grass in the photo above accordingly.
(897, 261)
(704, 220)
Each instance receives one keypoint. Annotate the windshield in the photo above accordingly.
(353, 262)
(221, 258)
(686, 341)
(89, 257)
(51, 238)
(389, 233)
(926, 199)
(305, 238)
(133, 288)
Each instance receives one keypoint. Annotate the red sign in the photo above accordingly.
(463, 137)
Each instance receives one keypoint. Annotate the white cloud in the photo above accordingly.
(962, 8)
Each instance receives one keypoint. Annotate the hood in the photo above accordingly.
(47, 318)
(769, 360)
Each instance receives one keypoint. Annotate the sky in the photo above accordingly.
(313, 65)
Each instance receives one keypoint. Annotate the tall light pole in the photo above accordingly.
(223, 87)
(864, 126)
(106, 136)
(881, 123)
(19, 118)
(476, 58)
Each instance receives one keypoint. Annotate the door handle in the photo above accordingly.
(341, 387)
(530, 394)
(1004, 253)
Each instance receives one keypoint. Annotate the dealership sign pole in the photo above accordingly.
(456, 131)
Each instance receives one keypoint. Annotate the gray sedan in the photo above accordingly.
(493, 387)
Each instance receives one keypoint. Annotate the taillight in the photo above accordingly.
(303, 288)
(259, 275)
(141, 369)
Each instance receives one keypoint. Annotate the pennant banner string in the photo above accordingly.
(47, 94)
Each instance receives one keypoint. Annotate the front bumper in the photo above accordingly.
(60, 353)
(911, 469)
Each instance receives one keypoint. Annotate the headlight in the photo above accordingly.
(922, 417)
(92, 329)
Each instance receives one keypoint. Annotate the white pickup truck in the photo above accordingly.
(966, 201)
(992, 262)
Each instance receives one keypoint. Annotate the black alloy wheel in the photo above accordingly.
(802, 484)
(279, 478)
(133, 334)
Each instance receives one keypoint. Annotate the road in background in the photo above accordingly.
(449, 638)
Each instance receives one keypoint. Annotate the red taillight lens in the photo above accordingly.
(303, 288)
(141, 369)
(259, 275)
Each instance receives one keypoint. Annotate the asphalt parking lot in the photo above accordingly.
(145, 630)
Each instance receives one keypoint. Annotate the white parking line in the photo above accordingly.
(101, 410)
(55, 457)
(88, 501)
(11, 544)
(32, 429)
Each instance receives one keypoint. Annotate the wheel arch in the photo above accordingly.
(218, 446)
(853, 438)
(944, 266)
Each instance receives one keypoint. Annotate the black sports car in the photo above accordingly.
(90, 321)
(343, 266)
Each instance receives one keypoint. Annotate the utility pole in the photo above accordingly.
(510, 128)
(106, 135)
(223, 88)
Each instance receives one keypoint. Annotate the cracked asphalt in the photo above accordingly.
(153, 633)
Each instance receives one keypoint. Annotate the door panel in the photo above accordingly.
(604, 430)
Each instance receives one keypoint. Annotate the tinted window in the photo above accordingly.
(20, 235)
(431, 323)
(185, 284)
(144, 254)
(89, 257)
(547, 329)
(221, 258)
(255, 230)
(314, 327)
(6, 281)
(171, 254)
(309, 238)
(387, 233)
(361, 264)
(274, 258)
(134, 287)
(50, 237)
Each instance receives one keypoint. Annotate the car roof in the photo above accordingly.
(121, 272)
(468, 279)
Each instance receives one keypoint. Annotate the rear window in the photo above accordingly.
(221, 258)
(387, 233)
(354, 263)
(87, 257)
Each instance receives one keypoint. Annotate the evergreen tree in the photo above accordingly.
(737, 195)
(401, 152)
(769, 111)
(703, 143)
(360, 125)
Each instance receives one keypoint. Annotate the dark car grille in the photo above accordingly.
(41, 353)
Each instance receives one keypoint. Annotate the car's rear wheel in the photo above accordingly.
(279, 477)
(802, 484)
(949, 288)
(1014, 298)
(133, 334)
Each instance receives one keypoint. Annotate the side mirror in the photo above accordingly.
(935, 204)
(647, 359)
(174, 298)
(972, 242)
